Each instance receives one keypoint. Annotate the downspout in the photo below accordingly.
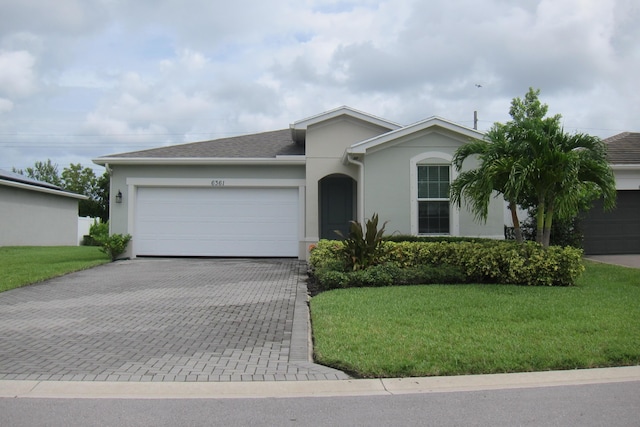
(109, 170)
(360, 186)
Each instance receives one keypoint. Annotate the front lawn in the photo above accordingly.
(475, 329)
(24, 265)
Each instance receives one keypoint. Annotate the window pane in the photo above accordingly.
(422, 189)
(433, 217)
(422, 173)
(444, 190)
(433, 182)
(433, 190)
(444, 173)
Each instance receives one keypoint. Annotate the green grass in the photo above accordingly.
(24, 265)
(475, 329)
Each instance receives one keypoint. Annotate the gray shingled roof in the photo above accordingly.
(623, 148)
(257, 145)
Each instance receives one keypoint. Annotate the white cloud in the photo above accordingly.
(153, 72)
(17, 77)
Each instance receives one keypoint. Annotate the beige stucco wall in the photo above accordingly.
(389, 181)
(326, 143)
(33, 218)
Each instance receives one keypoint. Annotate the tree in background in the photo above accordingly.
(43, 171)
(79, 180)
(541, 167)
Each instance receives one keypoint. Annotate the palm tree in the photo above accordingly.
(561, 172)
(497, 162)
(531, 160)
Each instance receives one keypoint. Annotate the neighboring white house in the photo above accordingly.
(35, 213)
(275, 193)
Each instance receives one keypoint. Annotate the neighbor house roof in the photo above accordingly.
(12, 179)
(624, 148)
(258, 146)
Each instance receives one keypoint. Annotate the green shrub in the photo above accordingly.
(98, 233)
(388, 275)
(115, 245)
(327, 253)
(449, 239)
(492, 261)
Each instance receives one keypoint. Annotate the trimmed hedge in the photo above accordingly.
(450, 239)
(493, 261)
(389, 275)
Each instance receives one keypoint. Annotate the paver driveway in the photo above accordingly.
(162, 320)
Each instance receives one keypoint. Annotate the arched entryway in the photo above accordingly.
(337, 205)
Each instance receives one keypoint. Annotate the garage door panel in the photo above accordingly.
(616, 231)
(217, 222)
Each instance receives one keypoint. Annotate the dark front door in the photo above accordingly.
(337, 205)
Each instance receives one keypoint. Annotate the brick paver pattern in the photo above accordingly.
(162, 320)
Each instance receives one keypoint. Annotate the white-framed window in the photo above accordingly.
(431, 175)
(434, 215)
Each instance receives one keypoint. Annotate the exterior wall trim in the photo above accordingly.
(213, 182)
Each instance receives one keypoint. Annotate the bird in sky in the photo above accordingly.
(477, 85)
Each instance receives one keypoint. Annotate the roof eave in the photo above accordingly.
(42, 189)
(363, 146)
(625, 166)
(205, 161)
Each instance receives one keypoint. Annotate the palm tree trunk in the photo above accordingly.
(516, 222)
(540, 222)
(547, 226)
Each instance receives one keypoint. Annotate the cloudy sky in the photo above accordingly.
(85, 78)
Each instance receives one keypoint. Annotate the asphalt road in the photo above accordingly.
(611, 404)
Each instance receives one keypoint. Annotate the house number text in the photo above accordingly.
(217, 183)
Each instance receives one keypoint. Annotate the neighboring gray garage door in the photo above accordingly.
(260, 222)
(616, 231)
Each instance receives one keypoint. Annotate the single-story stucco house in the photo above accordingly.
(36, 213)
(275, 193)
(618, 231)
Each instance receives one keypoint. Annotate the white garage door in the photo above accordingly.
(216, 222)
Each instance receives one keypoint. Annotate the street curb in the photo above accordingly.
(288, 389)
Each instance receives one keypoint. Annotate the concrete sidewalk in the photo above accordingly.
(632, 261)
(284, 389)
(163, 320)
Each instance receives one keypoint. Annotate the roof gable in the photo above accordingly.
(431, 122)
(299, 128)
(623, 148)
